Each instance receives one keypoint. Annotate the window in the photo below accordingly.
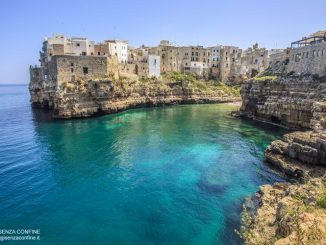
(307, 54)
(98, 53)
(233, 59)
(297, 57)
(186, 64)
(314, 53)
(77, 44)
(92, 53)
(72, 70)
(227, 65)
(85, 70)
(213, 59)
(84, 53)
(71, 64)
(323, 52)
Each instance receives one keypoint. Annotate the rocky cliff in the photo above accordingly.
(289, 213)
(294, 102)
(103, 96)
(286, 214)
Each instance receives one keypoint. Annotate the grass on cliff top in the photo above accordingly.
(265, 78)
(201, 84)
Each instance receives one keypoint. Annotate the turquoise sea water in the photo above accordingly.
(170, 175)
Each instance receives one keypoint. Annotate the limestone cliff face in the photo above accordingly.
(289, 213)
(297, 102)
(85, 99)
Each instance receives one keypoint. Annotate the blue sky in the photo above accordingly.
(273, 24)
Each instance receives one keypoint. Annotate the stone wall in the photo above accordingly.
(308, 59)
(67, 68)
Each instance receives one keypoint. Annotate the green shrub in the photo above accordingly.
(321, 200)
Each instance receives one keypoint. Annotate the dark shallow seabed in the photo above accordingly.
(170, 175)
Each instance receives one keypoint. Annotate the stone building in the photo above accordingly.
(253, 61)
(306, 56)
(66, 68)
(230, 62)
(118, 48)
(149, 67)
(115, 58)
(170, 56)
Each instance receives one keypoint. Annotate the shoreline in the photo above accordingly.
(119, 106)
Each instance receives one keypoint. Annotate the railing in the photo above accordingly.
(308, 41)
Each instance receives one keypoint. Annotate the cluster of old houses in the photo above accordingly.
(64, 59)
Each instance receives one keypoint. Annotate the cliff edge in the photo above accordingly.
(80, 98)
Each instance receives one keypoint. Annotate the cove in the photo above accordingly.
(169, 175)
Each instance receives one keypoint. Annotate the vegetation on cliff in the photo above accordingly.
(286, 214)
(168, 82)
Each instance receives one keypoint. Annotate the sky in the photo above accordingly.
(273, 24)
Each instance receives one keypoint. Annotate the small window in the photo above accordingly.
(71, 64)
(83, 53)
(314, 53)
(98, 53)
(85, 70)
(323, 52)
(77, 44)
(72, 70)
(307, 54)
(92, 53)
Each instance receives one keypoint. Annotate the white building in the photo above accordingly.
(215, 55)
(154, 63)
(119, 49)
(81, 46)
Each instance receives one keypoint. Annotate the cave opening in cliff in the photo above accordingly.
(275, 119)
